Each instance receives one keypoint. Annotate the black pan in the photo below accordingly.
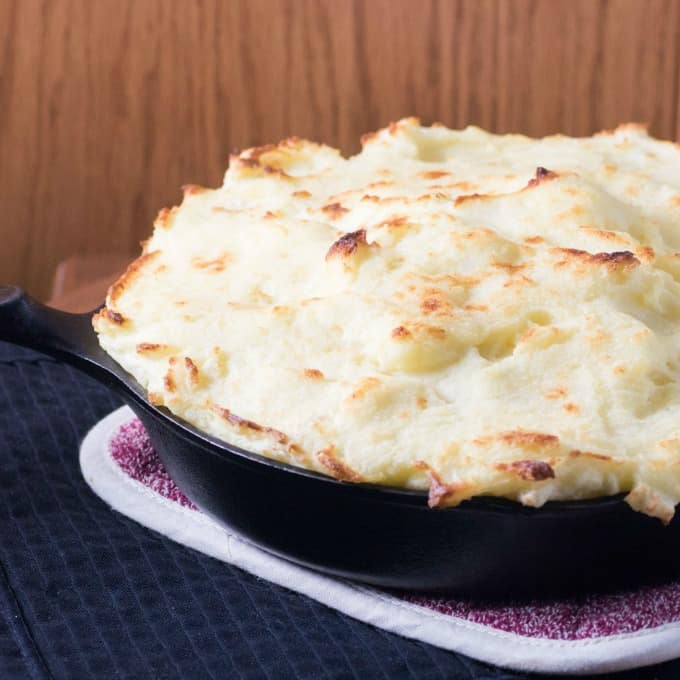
(485, 548)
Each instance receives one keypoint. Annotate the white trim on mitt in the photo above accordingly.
(195, 530)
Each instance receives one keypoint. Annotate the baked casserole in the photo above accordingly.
(458, 311)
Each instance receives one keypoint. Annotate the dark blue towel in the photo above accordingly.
(86, 593)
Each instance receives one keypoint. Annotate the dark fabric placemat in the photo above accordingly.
(87, 593)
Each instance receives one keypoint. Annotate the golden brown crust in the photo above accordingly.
(589, 454)
(434, 301)
(108, 314)
(334, 210)
(425, 330)
(393, 223)
(647, 500)
(269, 159)
(528, 470)
(271, 170)
(622, 260)
(245, 424)
(542, 175)
(169, 380)
(243, 162)
(434, 174)
(247, 165)
(193, 189)
(217, 264)
(645, 253)
(461, 185)
(605, 234)
(556, 393)
(468, 197)
(439, 492)
(131, 273)
(508, 267)
(165, 217)
(364, 386)
(153, 349)
(521, 439)
(530, 439)
(339, 469)
(192, 370)
(367, 137)
(401, 333)
(347, 245)
(145, 347)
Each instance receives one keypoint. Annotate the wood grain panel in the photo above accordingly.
(108, 106)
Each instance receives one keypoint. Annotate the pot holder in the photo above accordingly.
(591, 634)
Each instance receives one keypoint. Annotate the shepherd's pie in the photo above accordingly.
(457, 311)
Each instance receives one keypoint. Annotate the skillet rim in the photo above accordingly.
(196, 437)
(72, 338)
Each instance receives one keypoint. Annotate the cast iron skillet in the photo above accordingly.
(485, 548)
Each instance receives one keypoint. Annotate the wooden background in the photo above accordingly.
(108, 106)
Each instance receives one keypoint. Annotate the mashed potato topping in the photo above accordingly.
(456, 311)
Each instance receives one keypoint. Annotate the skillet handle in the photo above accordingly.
(26, 322)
